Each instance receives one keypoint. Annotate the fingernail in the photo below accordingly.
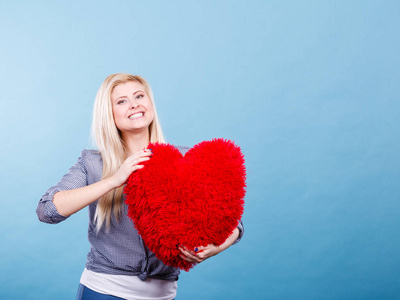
(196, 249)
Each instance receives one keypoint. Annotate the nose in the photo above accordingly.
(134, 104)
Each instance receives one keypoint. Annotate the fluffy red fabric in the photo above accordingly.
(192, 200)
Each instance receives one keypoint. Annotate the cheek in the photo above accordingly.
(151, 114)
(150, 111)
(118, 116)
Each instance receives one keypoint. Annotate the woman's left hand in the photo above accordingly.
(199, 254)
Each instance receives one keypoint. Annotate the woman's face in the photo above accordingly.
(132, 109)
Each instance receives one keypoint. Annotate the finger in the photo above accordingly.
(132, 161)
(185, 251)
(132, 169)
(185, 256)
(139, 155)
(139, 160)
(143, 152)
(187, 259)
(204, 253)
(202, 249)
(190, 259)
(198, 258)
(188, 254)
(199, 249)
(192, 252)
(146, 152)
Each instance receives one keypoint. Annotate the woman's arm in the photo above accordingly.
(69, 202)
(199, 254)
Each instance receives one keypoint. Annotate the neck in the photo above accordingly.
(135, 141)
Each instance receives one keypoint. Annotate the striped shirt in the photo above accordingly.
(121, 250)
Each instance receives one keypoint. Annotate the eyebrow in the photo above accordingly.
(133, 94)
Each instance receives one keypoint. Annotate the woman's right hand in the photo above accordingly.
(131, 164)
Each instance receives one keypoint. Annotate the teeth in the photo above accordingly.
(136, 116)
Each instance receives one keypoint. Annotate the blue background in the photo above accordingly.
(309, 90)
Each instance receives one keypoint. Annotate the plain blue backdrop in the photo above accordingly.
(309, 90)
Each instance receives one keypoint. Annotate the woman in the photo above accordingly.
(119, 265)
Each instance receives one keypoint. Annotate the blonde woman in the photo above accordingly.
(119, 265)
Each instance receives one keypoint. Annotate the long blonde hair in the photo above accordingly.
(111, 145)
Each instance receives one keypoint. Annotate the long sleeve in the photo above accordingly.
(75, 178)
(241, 232)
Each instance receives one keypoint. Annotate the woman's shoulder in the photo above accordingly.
(90, 153)
(90, 156)
(92, 164)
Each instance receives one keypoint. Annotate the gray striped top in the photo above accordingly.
(121, 251)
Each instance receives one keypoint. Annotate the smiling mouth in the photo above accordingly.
(137, 115)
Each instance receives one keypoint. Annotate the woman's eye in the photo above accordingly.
(139, 96)
(121, 101)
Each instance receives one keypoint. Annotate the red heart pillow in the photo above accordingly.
(192, 200)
